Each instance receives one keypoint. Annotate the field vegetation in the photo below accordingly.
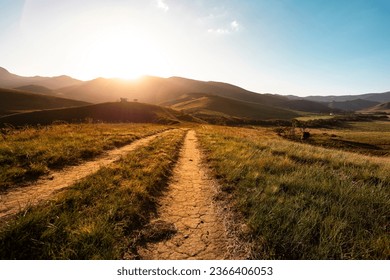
(315, 117)
(101, 216)
(26, 154)
(301, 201)
(370, 137)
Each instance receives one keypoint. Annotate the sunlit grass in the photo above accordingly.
(370, 138)
(315, 117)
(29, 153)
(96, 218)
(302, 201)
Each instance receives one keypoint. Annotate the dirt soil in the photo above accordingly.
(189, 207)
(19, 198)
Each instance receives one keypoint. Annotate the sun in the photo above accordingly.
(125, 55)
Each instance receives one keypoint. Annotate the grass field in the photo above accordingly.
(370, 138)
(315, 117)
(299, 200)
(26, 154)
(99, 217)
(302, 201)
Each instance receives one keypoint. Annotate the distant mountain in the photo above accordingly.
(157, 90)
(16, 101)
(352, 105)
(160, 91)
(169, 91)
(9, 80)
(207, 106)
(377, 97)
(106, 112)
(346, 102)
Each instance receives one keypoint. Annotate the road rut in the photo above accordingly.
(18, 199)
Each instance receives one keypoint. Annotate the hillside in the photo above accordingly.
(36, 89)
(206, 105)
(16, 101)
(153, 90)
(380, 108)
(308, 106)
(105, 112)
(9, 80)
(157, 90)
(352, 105)
(160, 91)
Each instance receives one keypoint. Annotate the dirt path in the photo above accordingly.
(19, 198)
(190, 207)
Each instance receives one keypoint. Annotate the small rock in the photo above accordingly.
(245, 230)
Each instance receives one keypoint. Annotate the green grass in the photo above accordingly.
(98, 217)
(302, 201)
(29, 153)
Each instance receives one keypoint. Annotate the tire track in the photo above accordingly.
(19, 198)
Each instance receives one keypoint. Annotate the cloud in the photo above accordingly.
(162, 5)
(218, 31)
(233, 27)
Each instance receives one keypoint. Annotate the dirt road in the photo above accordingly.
(17, 199)
(189, 206)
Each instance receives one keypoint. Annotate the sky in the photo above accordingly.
(299, 47)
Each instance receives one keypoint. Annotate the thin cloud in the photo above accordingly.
(233, 27)
(218, 31)
(162, 5)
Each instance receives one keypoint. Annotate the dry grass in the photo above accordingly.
(98, 217)
(369, 138)
(302, 201)
(26, 154)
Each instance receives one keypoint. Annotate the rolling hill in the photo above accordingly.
(380, 108)
(16, 101)
(160, 91)
(104, 112)
(152, 90)
(171, 91)
(207, 106)
(352, 105)
(36, 89)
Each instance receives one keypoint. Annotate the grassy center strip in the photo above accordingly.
(97, 217)
(300, 201)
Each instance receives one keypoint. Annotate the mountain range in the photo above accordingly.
(9, 80)
(198, 98)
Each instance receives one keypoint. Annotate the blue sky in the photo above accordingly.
(301, 47)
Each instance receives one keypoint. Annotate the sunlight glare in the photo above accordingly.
(125, 55)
